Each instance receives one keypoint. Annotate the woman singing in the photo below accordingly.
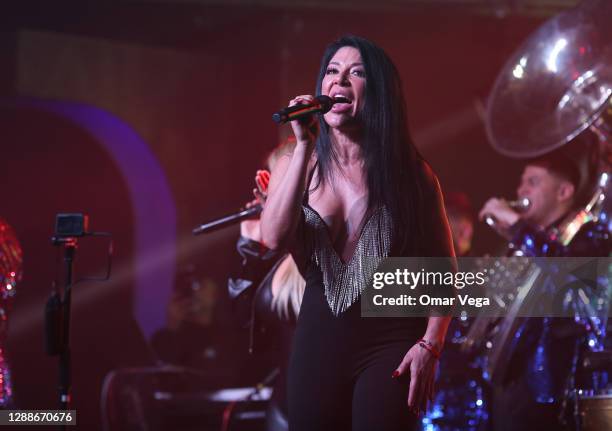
(355, 186)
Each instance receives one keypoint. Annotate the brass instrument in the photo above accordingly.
(520, 205)
(557, 85)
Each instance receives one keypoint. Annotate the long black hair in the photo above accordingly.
(394, 167)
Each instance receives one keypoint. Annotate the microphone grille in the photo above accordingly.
(326, 103)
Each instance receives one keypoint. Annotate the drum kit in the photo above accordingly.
(555, 87)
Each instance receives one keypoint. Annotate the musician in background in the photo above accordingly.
(268, 288)
(550, 184)
(556, 186)
(534, 392)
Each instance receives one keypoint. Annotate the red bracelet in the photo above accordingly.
(429, 347)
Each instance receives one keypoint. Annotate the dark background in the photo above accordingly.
(198, 82)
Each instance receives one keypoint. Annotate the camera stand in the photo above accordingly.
(57, 320)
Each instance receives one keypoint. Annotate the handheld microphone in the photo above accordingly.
(320, 104)
(227, 220)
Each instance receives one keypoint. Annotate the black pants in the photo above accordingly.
(340, 368)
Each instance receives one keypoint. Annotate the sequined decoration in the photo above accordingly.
(344, 282)
(10, 274)
(6, 388)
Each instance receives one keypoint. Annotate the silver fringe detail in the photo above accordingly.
(344, 282)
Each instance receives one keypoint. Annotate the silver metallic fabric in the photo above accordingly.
(344, 281)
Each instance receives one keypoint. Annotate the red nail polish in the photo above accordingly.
(395, 374)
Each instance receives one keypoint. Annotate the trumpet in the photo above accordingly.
(520, 205)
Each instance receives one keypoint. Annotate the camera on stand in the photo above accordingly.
(71, 225)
